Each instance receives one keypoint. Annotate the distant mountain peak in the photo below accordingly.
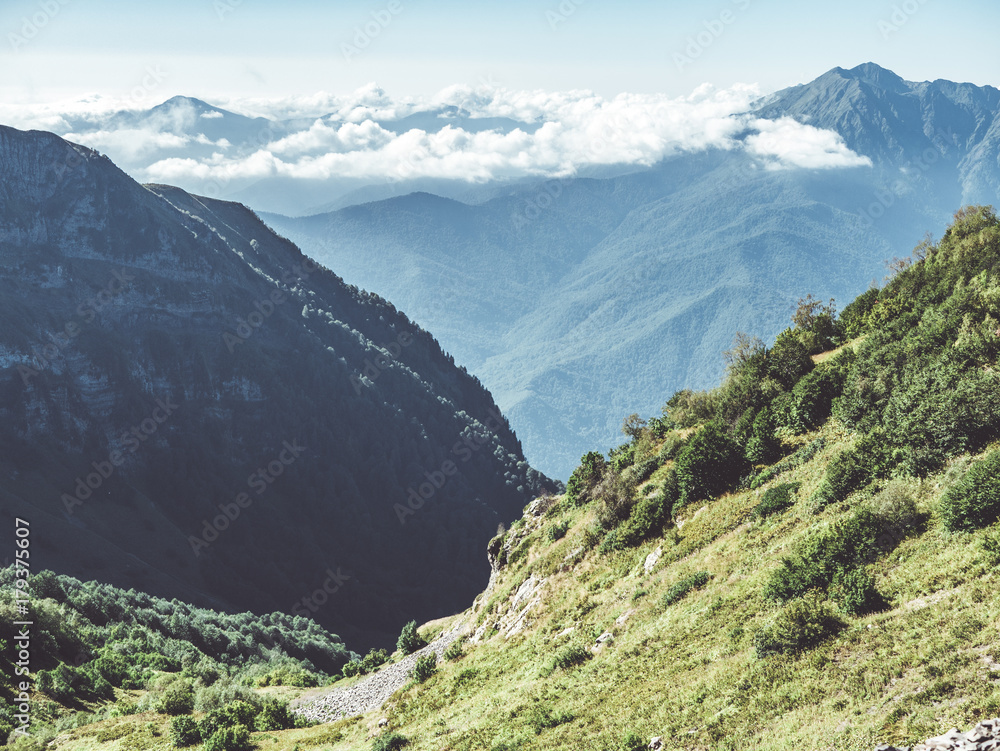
(877, 76)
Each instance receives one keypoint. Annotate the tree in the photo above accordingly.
(633, 425)
(409, 640)
(709, 464)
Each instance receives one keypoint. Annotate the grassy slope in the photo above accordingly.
(689, 671)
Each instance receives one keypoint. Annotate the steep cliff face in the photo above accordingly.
(190, 406)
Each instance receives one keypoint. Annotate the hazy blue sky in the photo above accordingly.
(245, 48)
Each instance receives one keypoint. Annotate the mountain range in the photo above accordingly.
(192, 406)
(577, 301)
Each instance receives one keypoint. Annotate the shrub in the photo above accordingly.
(763, 446)
(788, 360)
(239, 713)
(845, 474)
(585, 478)
(813, 395)
(570, 656)
(541, 718)
(390, 742)
(709, 464)
(409, 640)
(236, 738)
(854, 319)
(682, 588)
(826, 560)
(184, 731)
(351, 668)
(776, 499)
(373, 660)
(974, 501)
(558, 531)
(647, 519)
(802, 624)
(274, 715)
(177, 700)
(796, 460)
(454, 652)
(424, 667)
(855, 592)
(632, 741)
(687, 408)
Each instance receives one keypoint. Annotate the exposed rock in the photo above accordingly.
(652, 559)
(620, 620)
(656, 743)
(374, 690)
(983, 737)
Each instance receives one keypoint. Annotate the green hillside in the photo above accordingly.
(801, 558)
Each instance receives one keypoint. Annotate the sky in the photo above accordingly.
(220, 50)
(601, 83)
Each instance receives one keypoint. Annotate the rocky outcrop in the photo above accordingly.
(983, 737)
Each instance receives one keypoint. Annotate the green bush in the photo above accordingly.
(647, 520)
(351, 668)
(776, 499)
(709, 464)
(802, 624)
(424, 667)
(558, 531)
(826, 560)
(184, 731)
(845, 474)
(454, 652)
(813, 395)
(373, 660)
(274, 715)
(570, 656)
(585, 478)
(855, 592)
(854, 319)
(682, 588)
(409, 640)
(796, 460)
(974, 501)
(763, 447)
(788, 360)
(390, 742)
(235, 738)
(178, 699)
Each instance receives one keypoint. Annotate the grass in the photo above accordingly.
(690, 672)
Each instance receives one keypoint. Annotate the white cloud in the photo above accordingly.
(213, 115)
(324, 136)
(787, 143)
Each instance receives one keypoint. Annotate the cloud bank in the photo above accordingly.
(462, 133)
